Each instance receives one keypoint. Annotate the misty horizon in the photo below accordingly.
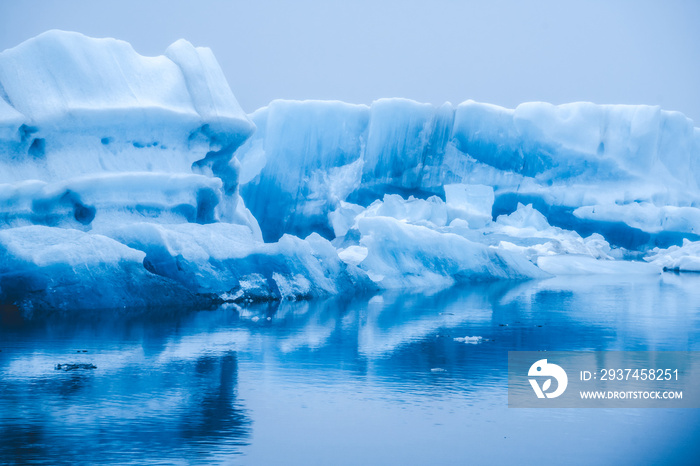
(503, 53)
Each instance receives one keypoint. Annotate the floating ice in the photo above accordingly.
(404, 255)
(228, 260)
(562, 159)
(469, 340)
(139, 181)
(127, 162)
(527, 231)
(685, 258)
(44, 268)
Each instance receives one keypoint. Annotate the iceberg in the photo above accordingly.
(231, 262)
(63, 269)
(121, 167)
(565, 160)
(684, 258)
(133, 181)
(301, 162)
(401, 255)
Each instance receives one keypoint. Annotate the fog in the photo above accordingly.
(503, 52)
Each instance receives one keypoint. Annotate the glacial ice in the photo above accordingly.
(123, 164)
(472, 203)
(401, 255)
(684, 258)
(63, 269)
(95, 105)
(469, 340)
(558, 158)
(139, 181)
(230, 261)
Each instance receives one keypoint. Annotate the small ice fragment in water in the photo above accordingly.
(469, 340)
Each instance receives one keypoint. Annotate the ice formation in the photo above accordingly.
(118, 187)
(684, 258)
(618, 170)
(139, 181)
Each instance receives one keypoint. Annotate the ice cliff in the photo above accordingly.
(139, 181)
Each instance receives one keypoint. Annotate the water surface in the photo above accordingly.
(365, 381)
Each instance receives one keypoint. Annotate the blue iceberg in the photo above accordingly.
(131, 181)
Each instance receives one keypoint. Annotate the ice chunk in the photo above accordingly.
(44, 268)
(472, 203)
(469, 340)
(682, 259)
(525, 217)
(353, 254)
(404, 255)
(431, 212)
(224, 258)
(527, 231)
(343, 218)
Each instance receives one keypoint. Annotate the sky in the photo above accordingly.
(496, 51)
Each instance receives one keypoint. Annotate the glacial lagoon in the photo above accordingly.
(376, 379)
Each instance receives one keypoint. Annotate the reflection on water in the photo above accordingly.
(378, 380)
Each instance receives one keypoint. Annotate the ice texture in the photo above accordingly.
(92, 105)
(306, 157)
(229, 261)
(118, 185)
(401, 255)
(130, 181)
(63, 269)
(684, 258)
(577, 163)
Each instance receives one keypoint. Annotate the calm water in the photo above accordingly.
(340, 382)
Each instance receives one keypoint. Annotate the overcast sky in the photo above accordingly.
(503, 52)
